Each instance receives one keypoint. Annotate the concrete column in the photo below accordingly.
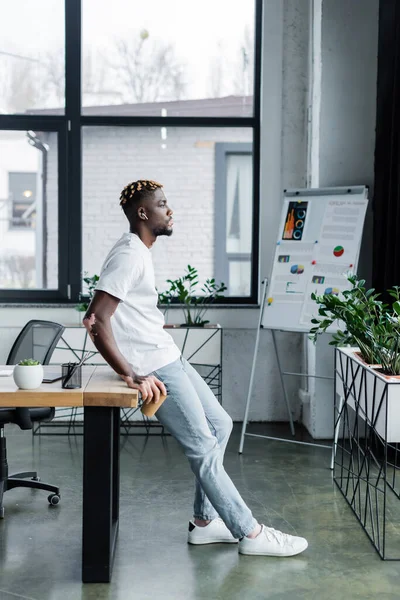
(344, 143)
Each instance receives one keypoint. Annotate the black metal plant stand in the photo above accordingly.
(367, 455)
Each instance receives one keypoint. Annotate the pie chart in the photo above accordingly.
(332, 291)
(338, 251)
(297, 269)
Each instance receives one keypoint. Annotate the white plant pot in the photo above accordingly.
(28, 377)
(376, 396)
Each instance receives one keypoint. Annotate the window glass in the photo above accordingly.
(174, 58)
(28, 210)
(32, 56)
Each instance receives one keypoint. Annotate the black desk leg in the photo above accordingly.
(100, 492)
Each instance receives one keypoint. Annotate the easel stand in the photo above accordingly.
(282, 375)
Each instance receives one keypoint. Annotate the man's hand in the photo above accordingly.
(150, 387)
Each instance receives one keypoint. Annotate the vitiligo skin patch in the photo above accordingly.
(89, 323)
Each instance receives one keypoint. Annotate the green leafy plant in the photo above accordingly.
(183, 291)
(368, 323)
(91, 283)
(29, 362)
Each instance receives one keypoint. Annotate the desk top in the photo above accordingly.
(101, 386)
(106, 388)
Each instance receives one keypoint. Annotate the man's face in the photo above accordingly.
(159, 214)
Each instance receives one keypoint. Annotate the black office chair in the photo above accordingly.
(37, 340)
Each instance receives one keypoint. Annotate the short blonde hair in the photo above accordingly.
(137, 190)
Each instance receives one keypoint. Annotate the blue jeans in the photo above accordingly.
(193, 415)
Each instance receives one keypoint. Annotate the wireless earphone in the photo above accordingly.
(144, 216)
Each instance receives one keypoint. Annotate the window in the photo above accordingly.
(95, 96)
(234, 220)
(32, 56)
(161, 53)
(28, 210)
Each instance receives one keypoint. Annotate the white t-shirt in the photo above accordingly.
(137, 324)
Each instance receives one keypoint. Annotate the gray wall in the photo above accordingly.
(295, 92)
(348, 95)
(348, 102)
(283, 164)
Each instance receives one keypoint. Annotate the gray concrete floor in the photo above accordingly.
(287, 486)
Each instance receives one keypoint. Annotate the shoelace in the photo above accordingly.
(275, 535)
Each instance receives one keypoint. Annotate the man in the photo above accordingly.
(127, 328)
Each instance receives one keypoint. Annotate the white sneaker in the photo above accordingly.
(271, 542)
(213, 533)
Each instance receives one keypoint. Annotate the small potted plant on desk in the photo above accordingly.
(28, 374)
(182, 291)
(368, 344)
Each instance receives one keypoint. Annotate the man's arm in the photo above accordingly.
(98, 324)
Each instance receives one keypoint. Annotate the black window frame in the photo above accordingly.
(51, 125)
(69, 129)
(223, 258)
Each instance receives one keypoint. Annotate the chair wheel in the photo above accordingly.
(2, 512)
(53, 499)
(35, 478)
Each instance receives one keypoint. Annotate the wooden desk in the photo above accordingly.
(102, 394)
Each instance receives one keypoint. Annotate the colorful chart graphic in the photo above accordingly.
(283, 258)
(338, 251)
(297, 269)
(332, 291)
(295, 221)
(318, 279)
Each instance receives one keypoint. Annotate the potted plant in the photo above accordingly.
(183, 292)
(368, 323)
(28, 374)
(91, 283)
(368, 344)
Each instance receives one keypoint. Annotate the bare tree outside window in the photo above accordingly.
(148, 70)
(96, 81)
(31, 82)
(19, 85)
(233, 75)
(243, 81)
(137, 69)
(54, 75)
(217, 69)
(18, 272)
(39, 82)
